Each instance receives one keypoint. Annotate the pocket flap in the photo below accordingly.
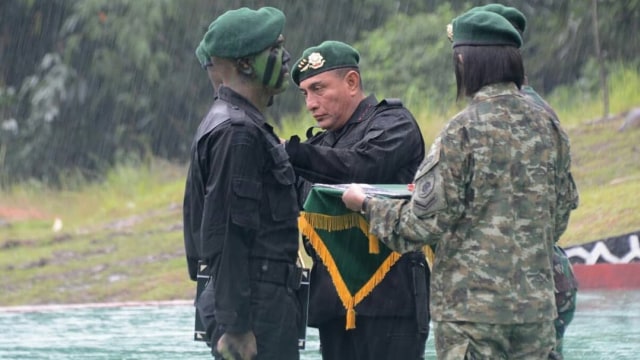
(247, 188)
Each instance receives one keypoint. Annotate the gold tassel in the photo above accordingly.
(429, 254)
(351, 319)
(374, 247)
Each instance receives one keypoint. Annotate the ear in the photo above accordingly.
(352, 80)
(245, 66)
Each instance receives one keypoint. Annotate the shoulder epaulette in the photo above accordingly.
(391, 102)
(238, 117)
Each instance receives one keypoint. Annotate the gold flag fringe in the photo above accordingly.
(374, 247)
(351, 318)
(308, 222)
(343, 222)
(429, 255)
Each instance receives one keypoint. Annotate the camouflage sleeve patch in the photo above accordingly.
(428, 196)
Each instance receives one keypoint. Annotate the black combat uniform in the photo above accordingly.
(380, 144)
(240, 216)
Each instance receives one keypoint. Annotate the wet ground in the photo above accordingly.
(606, 326)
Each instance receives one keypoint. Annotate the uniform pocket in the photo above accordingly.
(245, 203)
(283, 199)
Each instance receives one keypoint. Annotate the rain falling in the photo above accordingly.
(100, 101)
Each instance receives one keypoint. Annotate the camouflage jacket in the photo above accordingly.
(563, 276)
(493, 195)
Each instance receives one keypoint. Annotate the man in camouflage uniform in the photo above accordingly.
(493, 195)
(566, 285)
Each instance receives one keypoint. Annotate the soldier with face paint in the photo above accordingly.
(240, 207)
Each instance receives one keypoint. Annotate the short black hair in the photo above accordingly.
(342, 72)
(485, 65)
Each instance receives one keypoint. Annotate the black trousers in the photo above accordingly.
(275, 312)
(374, 338)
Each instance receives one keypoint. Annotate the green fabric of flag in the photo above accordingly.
(355, 259)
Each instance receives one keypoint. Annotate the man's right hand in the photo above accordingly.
(237, 346)
(354, 197)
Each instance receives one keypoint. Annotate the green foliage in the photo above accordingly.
(410, 57)
(122, 47)
(38, 110)
(582, 102)
(87, 84)
(559, 39)
(108, 94)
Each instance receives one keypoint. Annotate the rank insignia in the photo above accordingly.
(314, 61)
(450, 32)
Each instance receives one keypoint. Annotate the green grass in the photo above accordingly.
(122, 238)
(606, 162)
(606, 168)
(577, 106)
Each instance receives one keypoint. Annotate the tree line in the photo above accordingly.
(87, 84)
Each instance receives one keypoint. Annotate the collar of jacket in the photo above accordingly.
(493, 90)
(364, 109)
(230, 96)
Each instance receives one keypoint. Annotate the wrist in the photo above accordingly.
(365, 204)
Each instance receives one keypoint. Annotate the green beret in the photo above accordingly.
(484, 28)
(515, 17)
(243, 32)
(202, 56)
(329, 55)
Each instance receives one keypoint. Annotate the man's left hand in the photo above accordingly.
(237, 346)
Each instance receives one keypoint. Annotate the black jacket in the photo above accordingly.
(380, 144)
(239, 204)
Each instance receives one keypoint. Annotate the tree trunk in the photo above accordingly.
(603, 71)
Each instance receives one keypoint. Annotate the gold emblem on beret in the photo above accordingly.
(316, 61)
(450, 32)
(313, 61)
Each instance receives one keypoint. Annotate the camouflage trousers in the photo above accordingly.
(566, 304)
(478, 341)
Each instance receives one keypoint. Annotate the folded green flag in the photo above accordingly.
(354, 258)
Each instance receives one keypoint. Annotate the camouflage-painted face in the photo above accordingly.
(272, 66)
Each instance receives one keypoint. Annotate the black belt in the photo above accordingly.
(277, 272)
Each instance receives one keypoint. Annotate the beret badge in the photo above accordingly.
(314, 61)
